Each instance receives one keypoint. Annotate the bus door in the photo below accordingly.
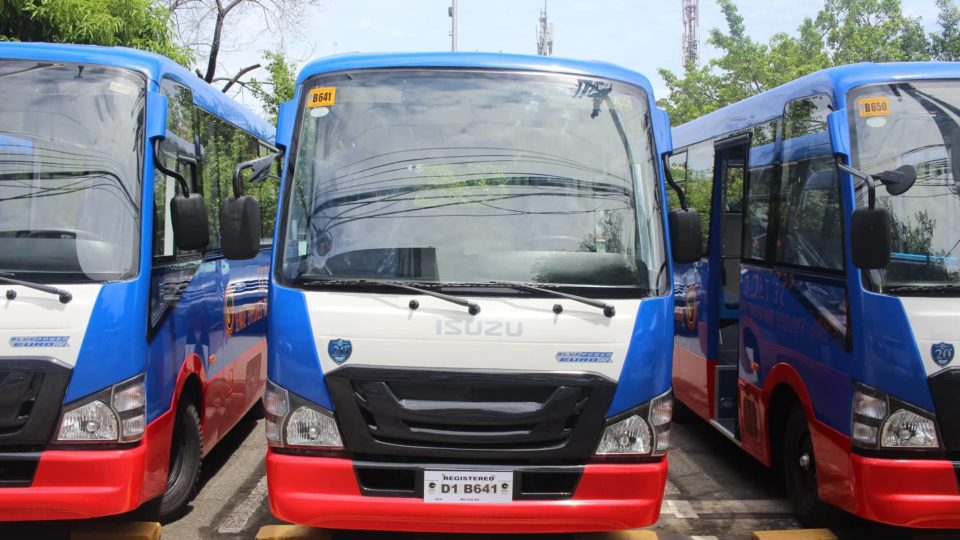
(730, 168)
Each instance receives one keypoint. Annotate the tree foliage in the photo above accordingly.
(842, 32)
(141, 24)
(280, 84)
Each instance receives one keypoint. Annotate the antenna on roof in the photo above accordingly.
(544, 33)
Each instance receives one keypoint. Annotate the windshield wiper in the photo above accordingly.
(472, 307)
(65, 296)
(608, 310)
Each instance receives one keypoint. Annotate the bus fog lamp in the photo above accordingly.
(631, 435)
(94, 421)
(906, 429)
(309, 427)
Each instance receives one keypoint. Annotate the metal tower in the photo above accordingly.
(691, 25)
(544, 33)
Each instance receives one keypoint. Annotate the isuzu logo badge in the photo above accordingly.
(339, 350)
(942, 353)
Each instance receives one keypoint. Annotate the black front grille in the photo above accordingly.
(31, 391)
(945, 389)
(533, 417)
(17, 468)
(530, 482)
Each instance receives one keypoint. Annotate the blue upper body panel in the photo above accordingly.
(153, 66)
(347, 62)
(836, 82)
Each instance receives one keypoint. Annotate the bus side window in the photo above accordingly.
(224, 146)
(698, 186)
(809, 194)
(678, 169)
(758, 192)
(181, 122)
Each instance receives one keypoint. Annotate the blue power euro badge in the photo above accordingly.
(339, 350)
(942, 353)
(40, 341)
(585, 357)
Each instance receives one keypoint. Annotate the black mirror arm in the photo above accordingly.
(673, 184)
(171, 173)
(871, 185)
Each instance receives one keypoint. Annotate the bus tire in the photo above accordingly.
(186, 457)
(800, 471)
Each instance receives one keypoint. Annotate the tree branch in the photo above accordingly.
(235, 78)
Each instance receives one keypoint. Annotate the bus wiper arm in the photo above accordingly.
(472, 307)
(608, 310)
(65, 296)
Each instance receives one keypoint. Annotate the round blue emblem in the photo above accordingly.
(942, 353)
(339, 350)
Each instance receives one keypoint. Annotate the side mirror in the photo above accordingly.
(286, 113)
(900, 180)
(188, 217)
(259, 169)
(870, 238)
(240, 227)
(686, 237)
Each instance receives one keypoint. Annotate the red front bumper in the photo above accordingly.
(323, 492)
(78, 484)
(907, 492)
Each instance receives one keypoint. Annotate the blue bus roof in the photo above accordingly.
(836, 82)
(153, 66)
(351, 62)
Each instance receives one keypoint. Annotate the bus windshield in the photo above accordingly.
(451, 176)
(914, 124)
(70, 160)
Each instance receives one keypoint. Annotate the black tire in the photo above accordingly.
(682, 414)
(800, 472)
(186, 457)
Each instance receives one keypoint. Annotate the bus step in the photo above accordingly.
(299, 532)
(796, 534)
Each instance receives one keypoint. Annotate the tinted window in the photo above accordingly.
(698, 186)
(808, 198)
(71, 160)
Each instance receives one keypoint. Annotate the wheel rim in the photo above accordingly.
(806, 466)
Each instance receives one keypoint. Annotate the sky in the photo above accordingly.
(642, 35)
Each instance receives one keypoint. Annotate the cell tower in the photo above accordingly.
(544, 33)
(691, 24)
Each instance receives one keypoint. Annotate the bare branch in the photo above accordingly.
(235, 78)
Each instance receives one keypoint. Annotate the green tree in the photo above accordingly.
(142, 24)
(280, 84)
(871, 31)
(844, 31)
(945, 45)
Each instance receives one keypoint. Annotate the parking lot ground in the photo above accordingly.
(714, 491)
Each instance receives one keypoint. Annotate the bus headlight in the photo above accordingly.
(883, 422)
(308, 426)
(311, 427)
(644, 431)
(116, 414)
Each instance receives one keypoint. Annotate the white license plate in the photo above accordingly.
(467, 486)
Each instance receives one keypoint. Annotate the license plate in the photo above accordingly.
(468, 486)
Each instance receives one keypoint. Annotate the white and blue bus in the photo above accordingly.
(472, 270)
(818, 331)
(129, 342)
